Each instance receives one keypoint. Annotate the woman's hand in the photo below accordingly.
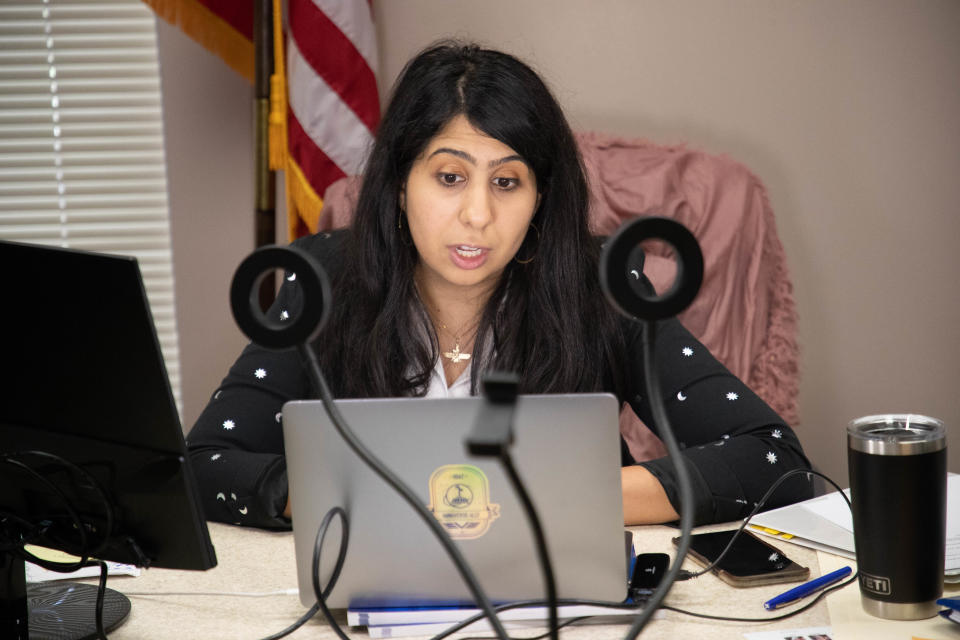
(644, 500)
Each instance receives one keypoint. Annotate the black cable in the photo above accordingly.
(759, 505)
(320, 386)
(37, 534)
(312, 611)
(683, 479)
(84, 552)
(540, 541)
(101, 596)
(62, 567)
(565, 623)
(529, 603)
(92, 484)
(820, 595)
(322, 594)
(668, 607)
(782, 616)
(756, 509)
(17, 530)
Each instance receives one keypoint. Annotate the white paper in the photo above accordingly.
(39, 574)
(483, 626)
(825, 523)
(808, 633)
(832, 507)
(450, 615)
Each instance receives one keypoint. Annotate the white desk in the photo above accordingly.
(258, 561)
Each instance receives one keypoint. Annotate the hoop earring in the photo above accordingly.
(534, 253)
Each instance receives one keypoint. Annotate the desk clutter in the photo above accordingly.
(169, 605)
(262, 562)
(825, 523)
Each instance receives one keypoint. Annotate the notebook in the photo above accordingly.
(566, 450)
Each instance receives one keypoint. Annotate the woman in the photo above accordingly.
(470, 251)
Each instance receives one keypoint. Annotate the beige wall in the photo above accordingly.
(207, 115)
(846, 110)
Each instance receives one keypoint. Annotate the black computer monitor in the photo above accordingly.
(89, 431)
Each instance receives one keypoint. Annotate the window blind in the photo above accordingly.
(81, 140)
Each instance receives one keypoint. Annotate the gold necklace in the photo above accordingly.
(455, 355)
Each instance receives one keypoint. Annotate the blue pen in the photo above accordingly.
(807, 588)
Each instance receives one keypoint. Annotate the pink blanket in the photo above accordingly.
(745, 312)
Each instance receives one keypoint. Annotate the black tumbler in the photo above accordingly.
(898, 487)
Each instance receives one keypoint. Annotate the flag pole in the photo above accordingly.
(265, 219)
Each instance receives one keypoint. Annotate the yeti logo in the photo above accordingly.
(875, 584)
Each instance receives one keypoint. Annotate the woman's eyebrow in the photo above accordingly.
(506, 159)
(469, 158)
(455, 152)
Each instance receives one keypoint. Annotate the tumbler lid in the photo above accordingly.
(896, 434)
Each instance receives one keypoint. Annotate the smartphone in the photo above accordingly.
(750, 562)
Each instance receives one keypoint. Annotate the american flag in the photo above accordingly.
(324, 102)
(332, 87)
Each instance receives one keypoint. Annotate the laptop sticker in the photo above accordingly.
(460, 500)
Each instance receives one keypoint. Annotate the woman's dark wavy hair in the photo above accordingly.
(547, 319)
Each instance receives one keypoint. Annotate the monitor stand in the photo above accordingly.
(52, 610)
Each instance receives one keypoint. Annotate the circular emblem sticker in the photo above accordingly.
(460, 500)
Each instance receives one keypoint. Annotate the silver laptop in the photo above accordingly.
(566, 450)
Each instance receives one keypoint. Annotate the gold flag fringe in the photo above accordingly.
(210, 30)
(302, 202)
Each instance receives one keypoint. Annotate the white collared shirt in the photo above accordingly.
(438, 383)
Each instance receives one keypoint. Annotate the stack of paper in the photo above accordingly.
(825, 523)
(421, 621)
(36, 573)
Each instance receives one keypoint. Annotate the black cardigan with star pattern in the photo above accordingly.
(735, 444)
